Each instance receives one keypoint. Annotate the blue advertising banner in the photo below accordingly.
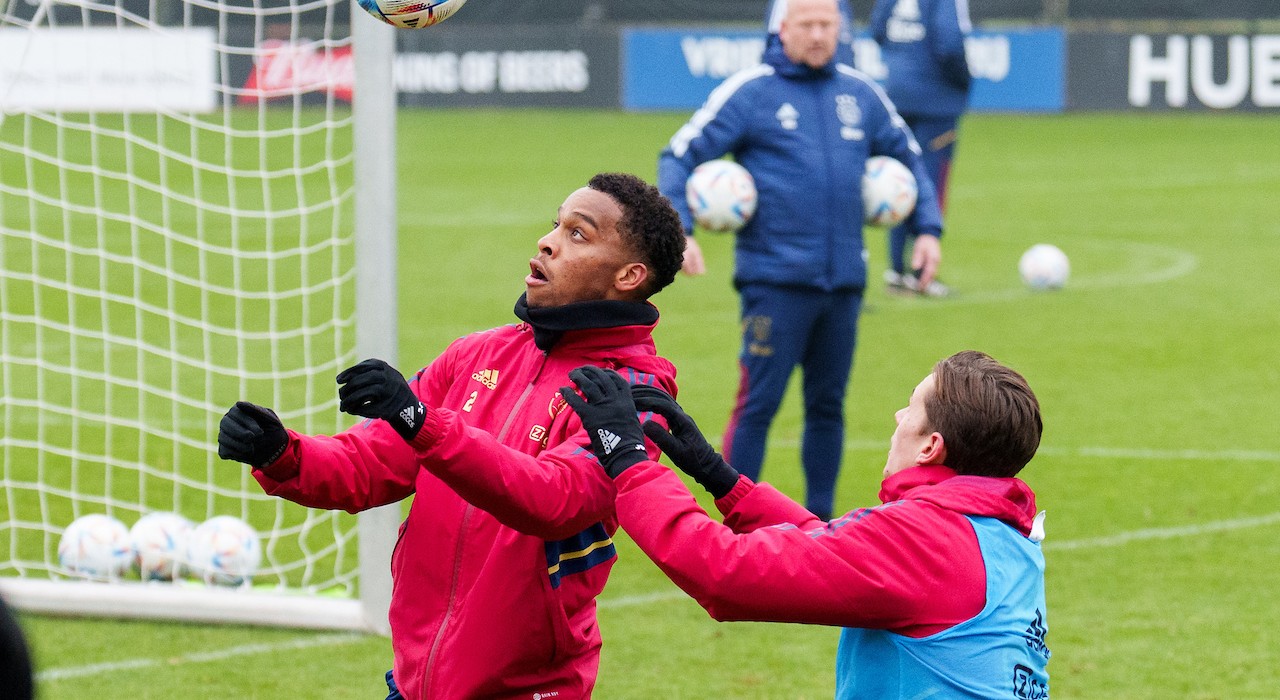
(677, 69)
(1018, 70)
(1022, 70)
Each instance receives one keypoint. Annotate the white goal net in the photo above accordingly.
(177, 232)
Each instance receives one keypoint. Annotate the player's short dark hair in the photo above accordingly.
(649, 224)
(987, 415)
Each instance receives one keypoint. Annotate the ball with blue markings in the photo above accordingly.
(722, 196)
(95, 547)
(159, 545)
(889, 191)
(412, 14)
(224, 550)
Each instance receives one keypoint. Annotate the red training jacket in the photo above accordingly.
(508, 541)
(911, 566)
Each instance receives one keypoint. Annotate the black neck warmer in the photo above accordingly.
(550, 323)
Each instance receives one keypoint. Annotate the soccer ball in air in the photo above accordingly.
(888, 191)
(722, 195)
(95, 547)
(159, 544)
(412, 14)
(1044, 266)
(224, 550)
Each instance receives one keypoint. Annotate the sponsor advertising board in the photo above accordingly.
(1014, 70)
(1173, 71)
(507, 67)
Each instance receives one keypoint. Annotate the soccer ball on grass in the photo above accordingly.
(95, 547)
(1044, 266)
(722, 195)
(159, 543)
(411, 14)
(224, 550)
(889, 191)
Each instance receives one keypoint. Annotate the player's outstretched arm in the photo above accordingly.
(608, 412)
(684, 443)
(375, 389)
(251, 434)
(751, 506)
(353, 471)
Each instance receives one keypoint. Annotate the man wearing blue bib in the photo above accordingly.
(940, 589)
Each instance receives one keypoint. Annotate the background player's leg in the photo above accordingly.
(775, 324)
(937, 138)
(826, 365)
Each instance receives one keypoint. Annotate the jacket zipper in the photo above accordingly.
(528, 389)
(462, 534)
(453, 599)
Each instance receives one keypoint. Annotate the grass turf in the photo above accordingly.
(1155, 368)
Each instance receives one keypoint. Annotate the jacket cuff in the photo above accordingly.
(737, 493)
(433, 428)
(286, 465)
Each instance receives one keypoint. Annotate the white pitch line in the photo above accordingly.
(1084, 452)
(1115, 540)
(197, 657)
(629, 601)
(1172, 263)
(1165, 454)
(1163, 533)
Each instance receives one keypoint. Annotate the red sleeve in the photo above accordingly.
(553, 495)
(366, 466)
(907, 567)
(751, 506)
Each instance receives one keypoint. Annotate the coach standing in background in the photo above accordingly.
(922, 45)
(803, 125)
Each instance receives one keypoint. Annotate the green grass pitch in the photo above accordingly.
(1156, 368)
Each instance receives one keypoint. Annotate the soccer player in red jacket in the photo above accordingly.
(508, 541)
(940, 590)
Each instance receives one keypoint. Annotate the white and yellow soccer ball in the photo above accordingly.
(722, 196)
(889, 191)
(159, 543)
(412, 14)
(95, 547)
(224, 550)
(1044, 266)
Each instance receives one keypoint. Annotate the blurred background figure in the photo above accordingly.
(922, 46)
(803, 124)
(16, 681)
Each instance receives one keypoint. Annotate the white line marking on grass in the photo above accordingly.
(197, 657)
(628, 601)
(1116, 540)
(1084, 452)
(1163, 455)
(1164, 533)
(1171, 263)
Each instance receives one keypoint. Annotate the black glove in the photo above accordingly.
(375, 389)
(684, 443)
(609, 415)
(251, 434)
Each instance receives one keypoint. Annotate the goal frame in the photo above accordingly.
(374, 121)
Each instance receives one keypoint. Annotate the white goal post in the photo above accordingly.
(186, 220)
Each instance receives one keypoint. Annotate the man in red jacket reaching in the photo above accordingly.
(940, 590)
(508, 541)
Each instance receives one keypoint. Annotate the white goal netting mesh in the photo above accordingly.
(176, 191)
